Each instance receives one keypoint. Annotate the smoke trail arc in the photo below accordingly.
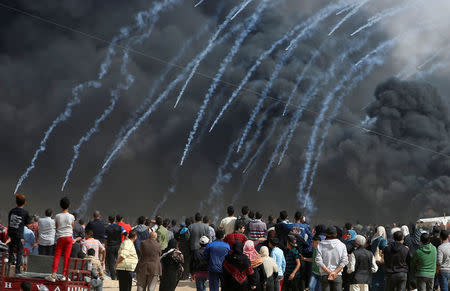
(208, 48)
(234, 50)
(305, 32)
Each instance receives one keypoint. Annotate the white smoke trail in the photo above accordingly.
(348, 15)
(389, 13)
(207, 50)
(250, 72)
(129, 79)
(223, 66)
(306, 32)
(104, 69)
(372, 60)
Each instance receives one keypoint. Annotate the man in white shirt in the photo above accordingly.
(47, 230)
(227, 224)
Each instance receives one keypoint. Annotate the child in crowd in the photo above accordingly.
(64, 230)
(97, 274)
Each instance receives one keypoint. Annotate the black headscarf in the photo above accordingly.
(173, 244)
(237, 258)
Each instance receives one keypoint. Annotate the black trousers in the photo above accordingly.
(125, 280)
(335, 285)
(15, 245)
(111, 259)
(293, 285)
(46, 250)
(396, 282)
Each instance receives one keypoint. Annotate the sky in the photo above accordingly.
(396, 171)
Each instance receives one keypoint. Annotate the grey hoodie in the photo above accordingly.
(443, 257)
(332, 254)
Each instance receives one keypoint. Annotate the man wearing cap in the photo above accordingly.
(278, 255)
(331, 258)
(361, 266)
(199, 266)
(292, 273)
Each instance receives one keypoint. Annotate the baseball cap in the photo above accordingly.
(204, 240)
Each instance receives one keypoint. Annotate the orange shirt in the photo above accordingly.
(125, 226)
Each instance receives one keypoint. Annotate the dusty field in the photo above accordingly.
(182, 286)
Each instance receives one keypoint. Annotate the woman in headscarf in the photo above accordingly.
(350, 241)
(172, 267)
(270, 268)
(238, 274)
(256, 262)
(379, 241)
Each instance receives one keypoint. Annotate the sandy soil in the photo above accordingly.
(182, 286)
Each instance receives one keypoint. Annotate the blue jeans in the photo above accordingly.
(443, 280)
(214, 279)
(314, 283)
(200, 283)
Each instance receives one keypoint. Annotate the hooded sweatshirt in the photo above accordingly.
(396, 258)
(332, 254)
(425, 261)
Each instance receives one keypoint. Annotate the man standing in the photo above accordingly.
(212, 232)
(443, 261)
(424, 259)
(113, 240)
(126, 226)
(149, 268)
(214, 254)
(331, 258)
(228, 223)
(257, 228)
(97, 226)
(245, 219)
(396, 261)
(46, 234)
(238, 235)
(197, 230)
(17, 219)
(362, 265)
(162, 232)
(283, 228)
(292, 280)
(278, 255)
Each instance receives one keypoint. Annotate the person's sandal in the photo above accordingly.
(50, 278)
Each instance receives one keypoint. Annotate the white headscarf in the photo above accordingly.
(405, 230)
(381, 232)
(395, 229)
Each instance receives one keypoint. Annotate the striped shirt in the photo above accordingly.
(291, 263)
(257, 229)
(92, 243)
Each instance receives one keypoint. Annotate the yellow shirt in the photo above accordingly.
(128, 252)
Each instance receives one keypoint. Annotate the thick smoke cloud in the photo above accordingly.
(41, 63)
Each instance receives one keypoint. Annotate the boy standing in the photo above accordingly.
(17, 219)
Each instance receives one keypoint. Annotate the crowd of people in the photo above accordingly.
(242, 252)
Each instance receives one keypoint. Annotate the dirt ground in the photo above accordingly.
(182, 286)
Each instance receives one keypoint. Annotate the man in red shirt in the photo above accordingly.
(127, 227)
(238, 235)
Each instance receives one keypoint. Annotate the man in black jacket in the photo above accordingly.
(396, 261)
(361, 266)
